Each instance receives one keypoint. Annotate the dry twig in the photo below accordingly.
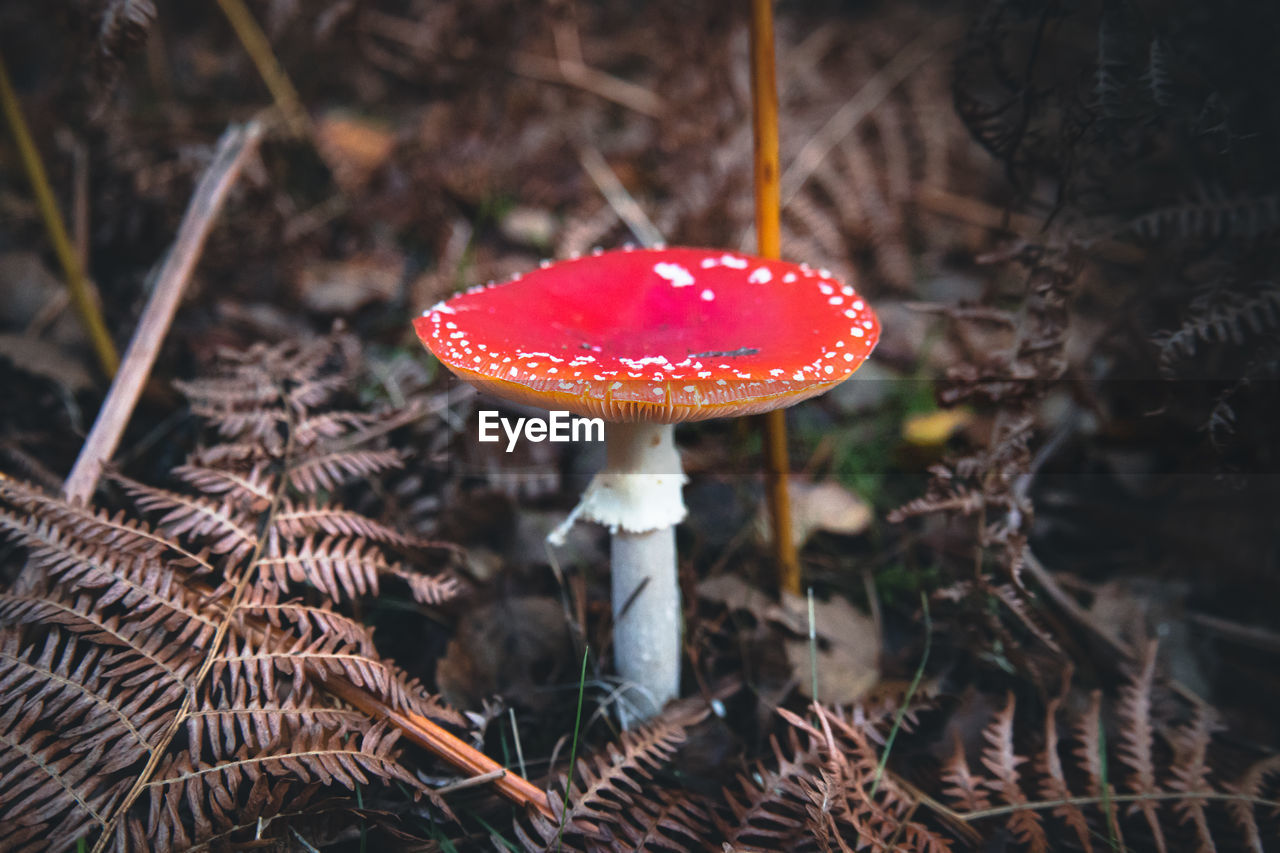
(77, 282)
(569, 69)
(277, 81)
(234, 148)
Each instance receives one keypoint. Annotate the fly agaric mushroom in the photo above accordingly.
(645, 339)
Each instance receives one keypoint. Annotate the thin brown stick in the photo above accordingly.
(571, 71)
(72, 269)
(432, 737)
(621, 201)
(764, 125)
(234, 148)
(273, 75)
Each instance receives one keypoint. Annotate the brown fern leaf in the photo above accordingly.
(330, 470)
(427, 589)
(162, 696)
(90, 526)
(248, 662)
(300, 520)
(246, 719)
(768, 809)
(1208, 816)
(1053, 782)
(614, 803)
(134, 581)
(964, 788)
(1190, 773)
(827, 794)
(340, 567)
(148, 652)
(1137, 737)
(1250, 788)
(1002, 761)
(216, 524)
(1089, 742)
(314, 427)
(1240, 218)
(1228, 317)
(212, 398)
(253, 488)
(213, 793)
(308, 621)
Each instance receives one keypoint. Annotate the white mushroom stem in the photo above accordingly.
(638, 497)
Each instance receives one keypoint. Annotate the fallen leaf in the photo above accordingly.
(848, 645)
(820, 507)
(341, 287)
(933, 429)
(848, 650)
(736, 594)
(353, 148)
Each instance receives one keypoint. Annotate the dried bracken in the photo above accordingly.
(615, 801)
(163, 686)
(1138, 775)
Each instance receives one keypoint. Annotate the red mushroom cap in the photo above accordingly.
(662, 335)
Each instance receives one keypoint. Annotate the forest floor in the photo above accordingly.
(1037, 529)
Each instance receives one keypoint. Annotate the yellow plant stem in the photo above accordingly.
(259, 49)
(764, 101)
(77, 283)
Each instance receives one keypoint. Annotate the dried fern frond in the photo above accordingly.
(1143, 777)
(160, 687)
(1221, 317)
(614, 802)
(767, 810)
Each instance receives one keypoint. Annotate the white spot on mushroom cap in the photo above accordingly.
(708, 295)
(789, 278)
(674, 273)
(760, 275)
(856, 332)
(733, 262)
